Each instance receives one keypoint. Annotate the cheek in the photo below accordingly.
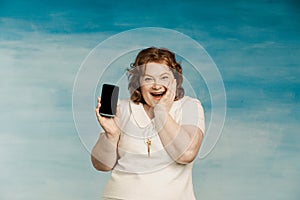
(146, 87)
(146, 95)
(144, 91)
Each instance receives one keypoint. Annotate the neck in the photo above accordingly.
(149, 110)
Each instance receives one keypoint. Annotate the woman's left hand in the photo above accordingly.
(167, 100)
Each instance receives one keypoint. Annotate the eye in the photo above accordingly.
(148, 79)
(165, 78)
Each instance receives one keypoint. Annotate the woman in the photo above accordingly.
(152, 142)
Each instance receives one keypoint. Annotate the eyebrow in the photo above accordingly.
(165, 73)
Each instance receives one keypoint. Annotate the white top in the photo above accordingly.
(137, 176)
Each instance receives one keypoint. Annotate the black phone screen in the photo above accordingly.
(109, 100)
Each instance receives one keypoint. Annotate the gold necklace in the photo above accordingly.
(148, 142)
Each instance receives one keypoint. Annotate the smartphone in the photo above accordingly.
(109, 100)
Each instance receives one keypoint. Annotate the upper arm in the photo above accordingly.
(193, 124)
(193, 114)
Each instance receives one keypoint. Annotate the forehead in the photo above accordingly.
(156, 69)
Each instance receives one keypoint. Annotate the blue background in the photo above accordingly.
(255, 45)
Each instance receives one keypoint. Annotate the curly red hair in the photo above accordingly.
(137, 69)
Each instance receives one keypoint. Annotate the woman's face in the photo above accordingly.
(155, 82)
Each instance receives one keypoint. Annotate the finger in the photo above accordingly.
(174, 87)
(171, 85)
(170, 94)
(98, 102)
(97, 108)
(97, 114)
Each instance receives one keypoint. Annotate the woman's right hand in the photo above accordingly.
(110, 125)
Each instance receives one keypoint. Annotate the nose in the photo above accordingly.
(156, 85)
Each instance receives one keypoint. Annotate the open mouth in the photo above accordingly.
(158, 94)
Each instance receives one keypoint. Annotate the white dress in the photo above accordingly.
(137, 176)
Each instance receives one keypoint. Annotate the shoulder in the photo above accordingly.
(127, 104)
(124, 106)
(123, 102)
(190, 107)
(187, 101)
(187, 106)
(192, 112)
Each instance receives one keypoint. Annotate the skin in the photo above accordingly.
(111, 134)
(158, 87)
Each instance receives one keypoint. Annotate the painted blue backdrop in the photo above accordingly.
(255, 44)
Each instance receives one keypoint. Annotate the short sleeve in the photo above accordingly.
(192, 113)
